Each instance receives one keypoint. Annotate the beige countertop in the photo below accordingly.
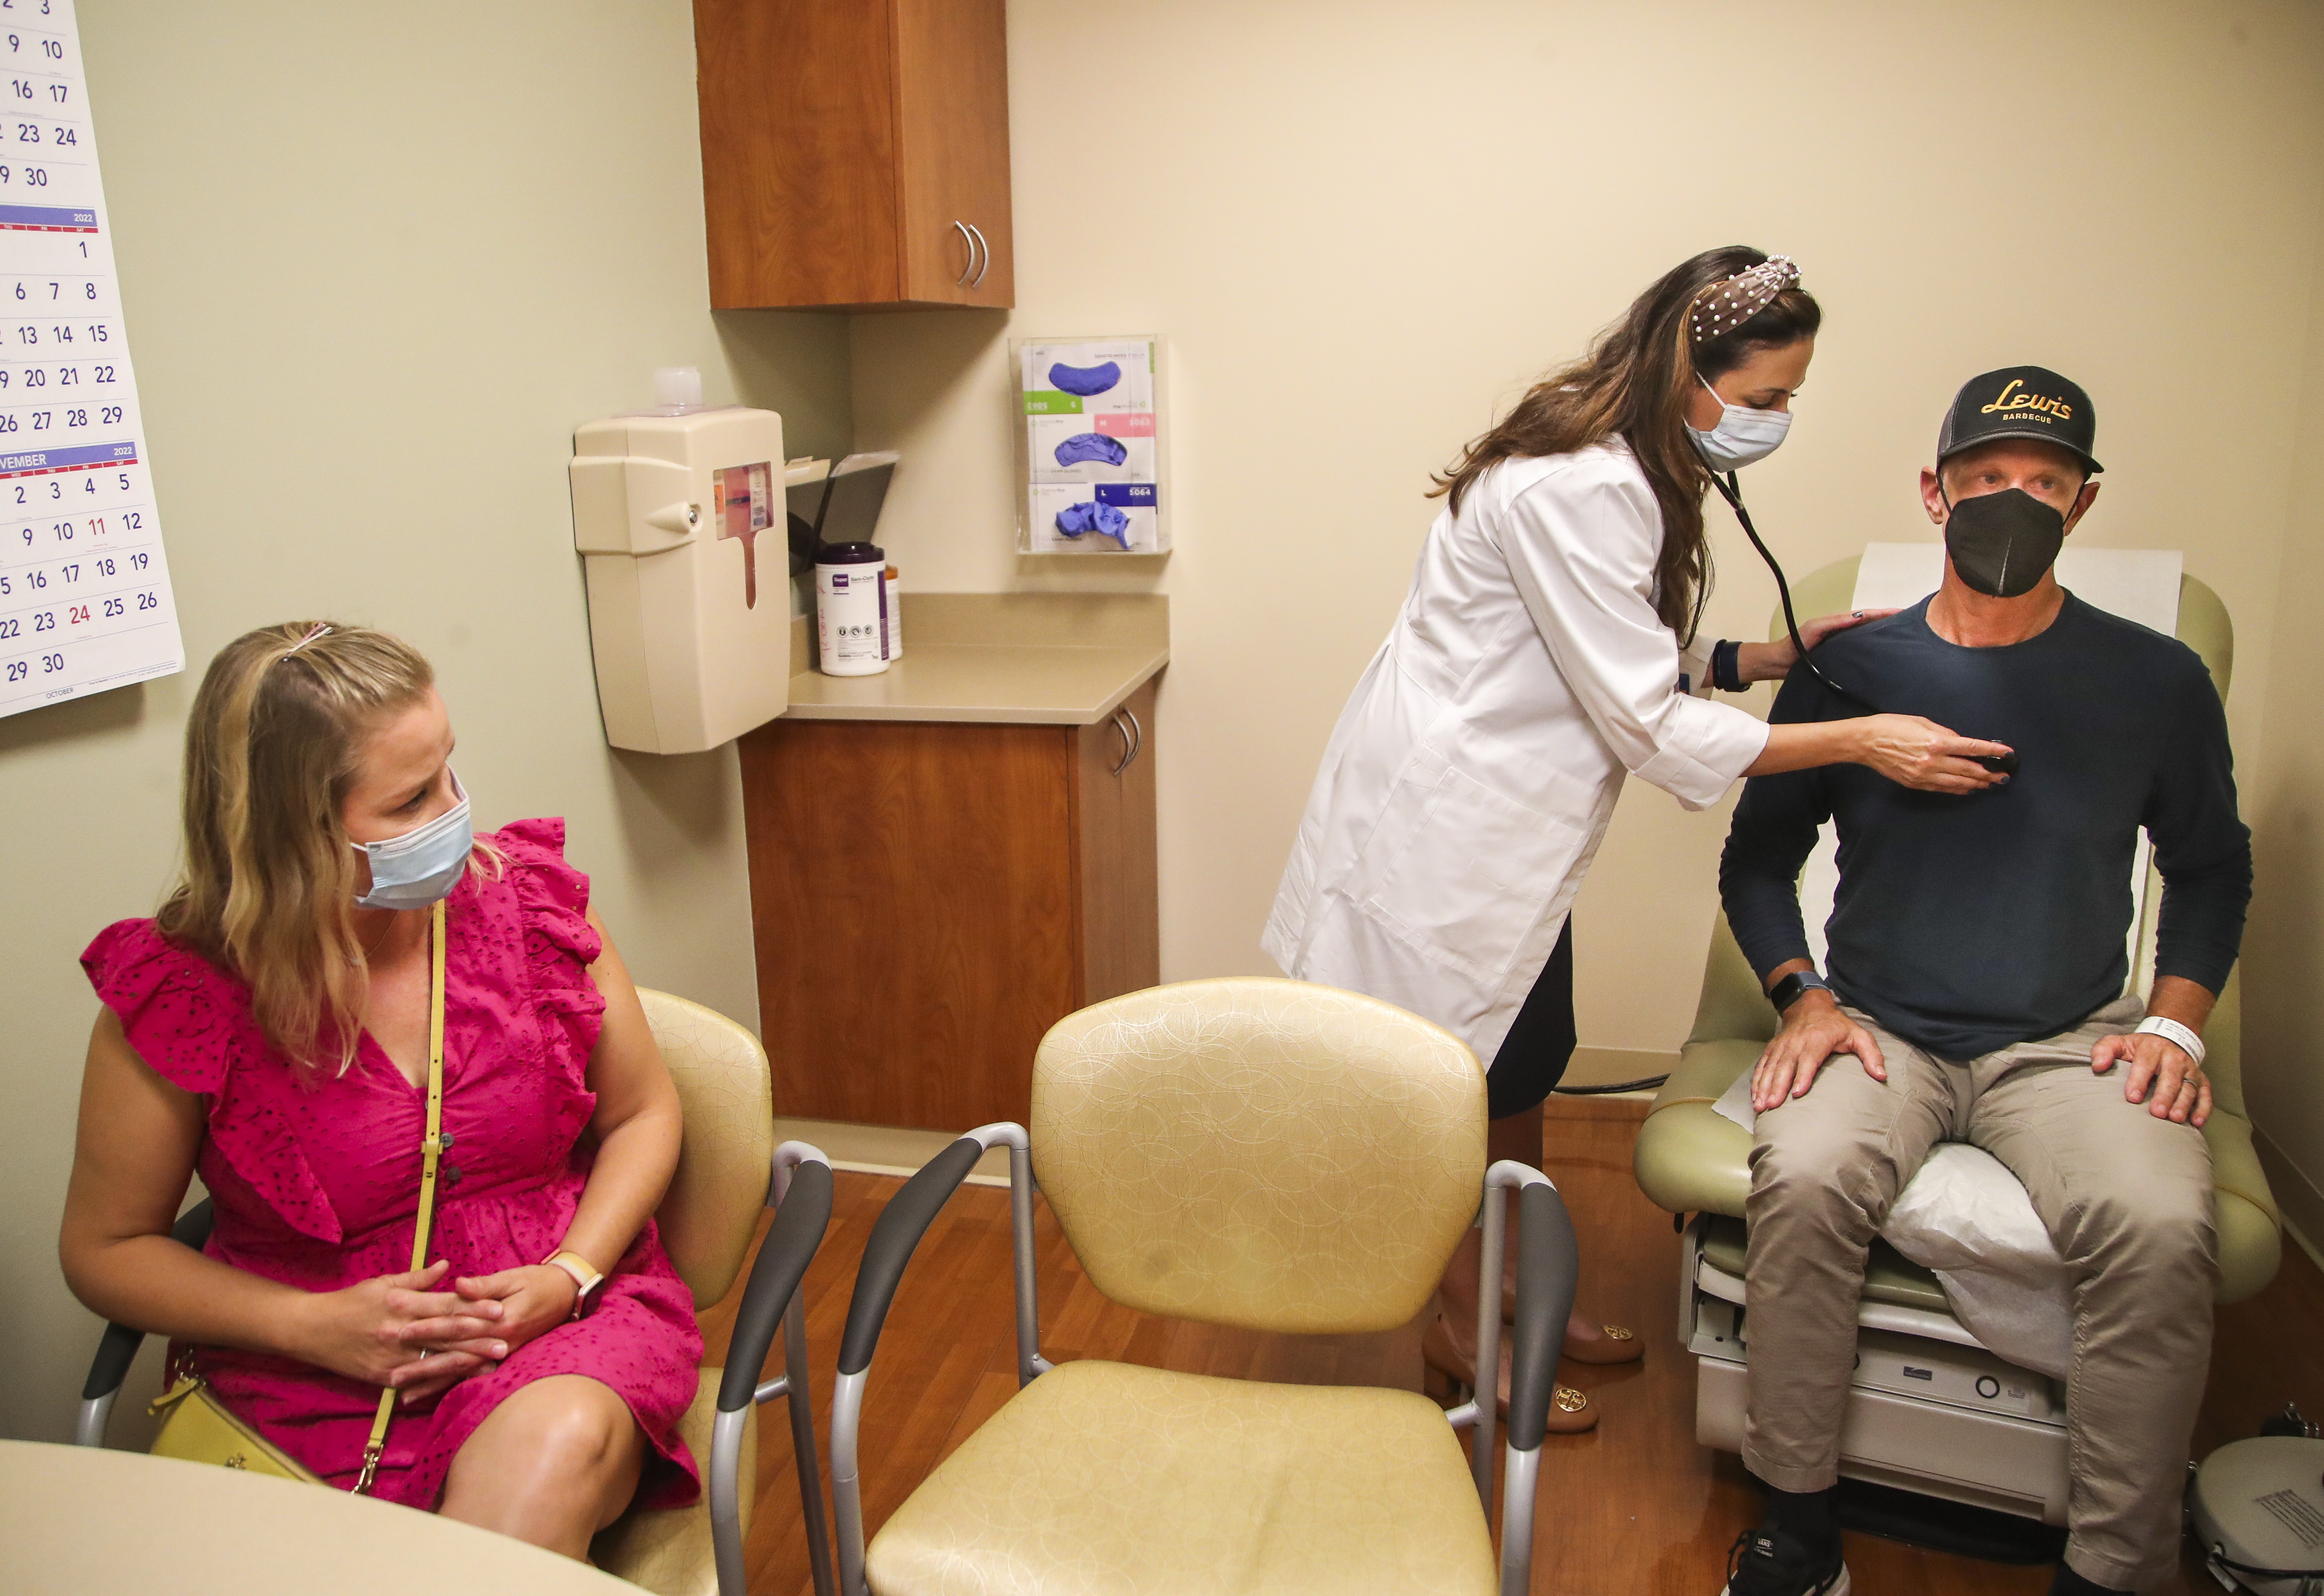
(1053, 659)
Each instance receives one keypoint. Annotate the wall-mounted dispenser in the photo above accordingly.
(679, 515)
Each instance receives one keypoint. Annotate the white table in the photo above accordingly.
(86, 1521)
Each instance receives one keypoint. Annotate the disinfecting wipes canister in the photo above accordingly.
(850, 610)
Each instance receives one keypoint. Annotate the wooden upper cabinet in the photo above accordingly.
(855, 152)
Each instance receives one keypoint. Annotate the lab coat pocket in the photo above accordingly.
(1464, 885)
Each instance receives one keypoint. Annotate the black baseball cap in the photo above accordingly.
(2020, 401)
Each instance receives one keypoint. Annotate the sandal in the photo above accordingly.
(1620, 1344)
(1570, 1411)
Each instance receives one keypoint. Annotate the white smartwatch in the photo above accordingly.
(586, 1278)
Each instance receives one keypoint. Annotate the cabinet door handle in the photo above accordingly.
(965, 231)
(987, 249)
(1133, 738)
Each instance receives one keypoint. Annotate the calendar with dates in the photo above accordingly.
(85, 601)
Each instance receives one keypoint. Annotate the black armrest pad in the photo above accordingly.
(1548, 1261)
(901, 1225)
(118, 1349)
(783, 1257)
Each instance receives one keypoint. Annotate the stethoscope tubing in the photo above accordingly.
(1730, 491)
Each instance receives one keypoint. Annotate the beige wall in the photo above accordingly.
(2283, 798)
(412, 254)
(1364, 227)
(377, 265)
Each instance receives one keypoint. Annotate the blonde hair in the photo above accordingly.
(269, 883)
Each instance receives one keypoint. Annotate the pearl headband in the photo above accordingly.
(1726, 305)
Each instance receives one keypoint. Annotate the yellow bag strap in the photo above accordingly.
(431, 1152)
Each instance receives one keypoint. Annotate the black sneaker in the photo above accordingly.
(1770, 1563)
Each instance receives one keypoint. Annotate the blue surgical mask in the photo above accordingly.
(416, 869)
(1742, 436)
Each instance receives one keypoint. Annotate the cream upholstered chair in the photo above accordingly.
(2006, 1449)
(728, 1169)
(1257, 1153)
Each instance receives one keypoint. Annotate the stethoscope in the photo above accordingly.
(1730, 491)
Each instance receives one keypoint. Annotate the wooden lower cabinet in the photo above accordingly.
(930, 898)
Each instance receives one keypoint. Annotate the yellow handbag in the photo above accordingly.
(197, 1426)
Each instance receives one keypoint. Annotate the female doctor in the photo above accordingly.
(1545, 650)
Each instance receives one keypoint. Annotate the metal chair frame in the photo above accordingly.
(799, 1191)
(1547, 1265)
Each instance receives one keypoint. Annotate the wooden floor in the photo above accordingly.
(1635, 1510)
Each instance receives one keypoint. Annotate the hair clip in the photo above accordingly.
(319, 629)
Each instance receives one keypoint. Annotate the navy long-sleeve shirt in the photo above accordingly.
(1964, 924)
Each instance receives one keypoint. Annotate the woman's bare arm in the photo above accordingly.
(1904, 748)
(637, 1120)
(132, 1158)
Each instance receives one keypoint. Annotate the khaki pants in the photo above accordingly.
(2127, 1197)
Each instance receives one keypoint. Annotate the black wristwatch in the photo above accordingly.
(1787, 992)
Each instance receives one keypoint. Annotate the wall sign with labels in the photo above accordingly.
(85, 601)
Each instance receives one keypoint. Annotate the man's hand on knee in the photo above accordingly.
(1814, 1029)
(2173, 1086)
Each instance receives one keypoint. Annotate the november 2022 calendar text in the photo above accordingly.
(85, 601)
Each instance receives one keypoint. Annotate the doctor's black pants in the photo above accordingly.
(1533, 1056)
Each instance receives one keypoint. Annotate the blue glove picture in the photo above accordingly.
(1084, 380)
(1075, 520)
(1091, 446)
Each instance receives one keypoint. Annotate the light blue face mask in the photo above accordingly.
(416, 869)
(1742, 436)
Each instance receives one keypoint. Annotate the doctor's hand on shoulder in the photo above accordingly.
(1815, 1030)
(1773, 661)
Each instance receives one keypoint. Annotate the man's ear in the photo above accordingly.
(1933, 496)
(2082, 502)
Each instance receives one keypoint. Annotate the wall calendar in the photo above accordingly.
(85, 601)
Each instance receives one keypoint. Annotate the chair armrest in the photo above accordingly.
(1549, 1261)
(894, 1238)
(783, 1258)
(118, 1348)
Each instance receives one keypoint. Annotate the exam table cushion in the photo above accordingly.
(1691, 1159)
(1112, 1478)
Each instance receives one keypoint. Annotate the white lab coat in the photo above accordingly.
(1468, 781)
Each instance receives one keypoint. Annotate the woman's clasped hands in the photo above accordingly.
(402, 1332)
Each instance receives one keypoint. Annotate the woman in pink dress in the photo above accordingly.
(270, 1029)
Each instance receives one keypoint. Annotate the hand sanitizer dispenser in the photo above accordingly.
(679, 515)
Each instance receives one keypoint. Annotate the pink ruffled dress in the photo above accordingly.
(316, 1179)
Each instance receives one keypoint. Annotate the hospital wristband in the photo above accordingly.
(2179, 1035)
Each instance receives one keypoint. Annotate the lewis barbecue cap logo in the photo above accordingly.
(2017, 399)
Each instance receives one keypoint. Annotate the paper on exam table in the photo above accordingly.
(1966, 1217)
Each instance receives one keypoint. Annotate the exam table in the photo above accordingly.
(1931, 1409)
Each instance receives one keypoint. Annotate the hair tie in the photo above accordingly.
(320, 629)
(1726, 305)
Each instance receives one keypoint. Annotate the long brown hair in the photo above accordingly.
(269, 883)
(1635, 382)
